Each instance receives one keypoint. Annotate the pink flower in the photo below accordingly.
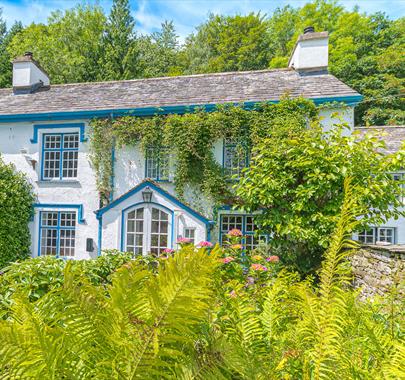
(237, 246)
(205, 244)
(258, 267)
(235, 232)
(183, 241)
(168, 250)
(273, 259)
(227, 260)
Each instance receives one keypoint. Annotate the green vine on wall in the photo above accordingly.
(191, 137)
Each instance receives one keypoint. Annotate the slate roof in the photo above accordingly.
(235, 87)
(393, 136)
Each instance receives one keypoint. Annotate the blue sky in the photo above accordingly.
(186, 14)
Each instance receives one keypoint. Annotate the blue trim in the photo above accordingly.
(100, 235)
(138, 205)
(78, 207)
(165, 194)
(243, 229)
(58, 229)
(37, 127)
(158, 159)
(112, 178)
(150, 111)
(224, 169)
(60, 150)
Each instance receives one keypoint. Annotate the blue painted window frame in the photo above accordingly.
(158, 159)
(244, 230)
(38, 127)
(61, 150)
(226, 145)
(58, 229)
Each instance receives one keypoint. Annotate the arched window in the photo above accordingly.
(148, 229)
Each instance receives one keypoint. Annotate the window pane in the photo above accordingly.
(135, 231)
(189, 233)
(235, 157)
(60, 158)
(157, 163)
(58, 233)
(159, 229)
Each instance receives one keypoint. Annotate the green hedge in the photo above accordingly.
(16, 199)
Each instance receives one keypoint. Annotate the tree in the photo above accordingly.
(296, 181)
(159, 52)
(226, 43)
(5, 58)
(68, 47)
(120, 50)
(16, 200)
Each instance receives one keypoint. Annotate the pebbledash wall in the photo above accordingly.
(21, 144)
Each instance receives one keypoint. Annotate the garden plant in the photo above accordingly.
(198, 313)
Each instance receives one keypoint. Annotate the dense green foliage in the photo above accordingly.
(191, 138)
(183, 321)
(83, 44)
(295, 179)
(295, 176)
(16, 200)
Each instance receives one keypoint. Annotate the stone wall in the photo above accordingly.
(377, 268)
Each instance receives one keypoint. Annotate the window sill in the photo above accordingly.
(63, 182)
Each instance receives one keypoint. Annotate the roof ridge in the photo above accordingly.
(224, 73)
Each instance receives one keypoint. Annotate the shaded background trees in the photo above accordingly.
(84, 44)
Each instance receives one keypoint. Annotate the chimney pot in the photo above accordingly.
(28, 54)
(309, 29)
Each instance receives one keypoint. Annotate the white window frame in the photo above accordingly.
(376, 235)
(188, 231)
(68, 156)
(63, 225)
(232, 168)
(147, 228)
(157, 164)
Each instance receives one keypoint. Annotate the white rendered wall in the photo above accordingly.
(113, 218)
(15, 137)
(129, 170)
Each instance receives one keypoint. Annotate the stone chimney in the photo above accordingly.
(28, 75)
(310, 52)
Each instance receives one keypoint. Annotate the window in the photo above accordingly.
(377, 234)
(57, 233)
(157, 164)
(60, 155)
(385, 234)
(189, 233)
(235, 158)
(400, 177)
(244, 223)
(148, 230)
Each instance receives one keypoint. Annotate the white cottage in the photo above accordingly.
(43, 133)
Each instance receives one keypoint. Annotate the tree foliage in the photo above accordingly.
(83, 44)
(16, 200)
(295, 180)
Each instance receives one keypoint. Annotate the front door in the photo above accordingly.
(148, 229)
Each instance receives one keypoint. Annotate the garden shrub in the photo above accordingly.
(16, 200)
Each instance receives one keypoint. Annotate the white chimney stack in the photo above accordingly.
(28, 75)
(310, 51)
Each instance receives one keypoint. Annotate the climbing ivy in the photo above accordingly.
(191, 137)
